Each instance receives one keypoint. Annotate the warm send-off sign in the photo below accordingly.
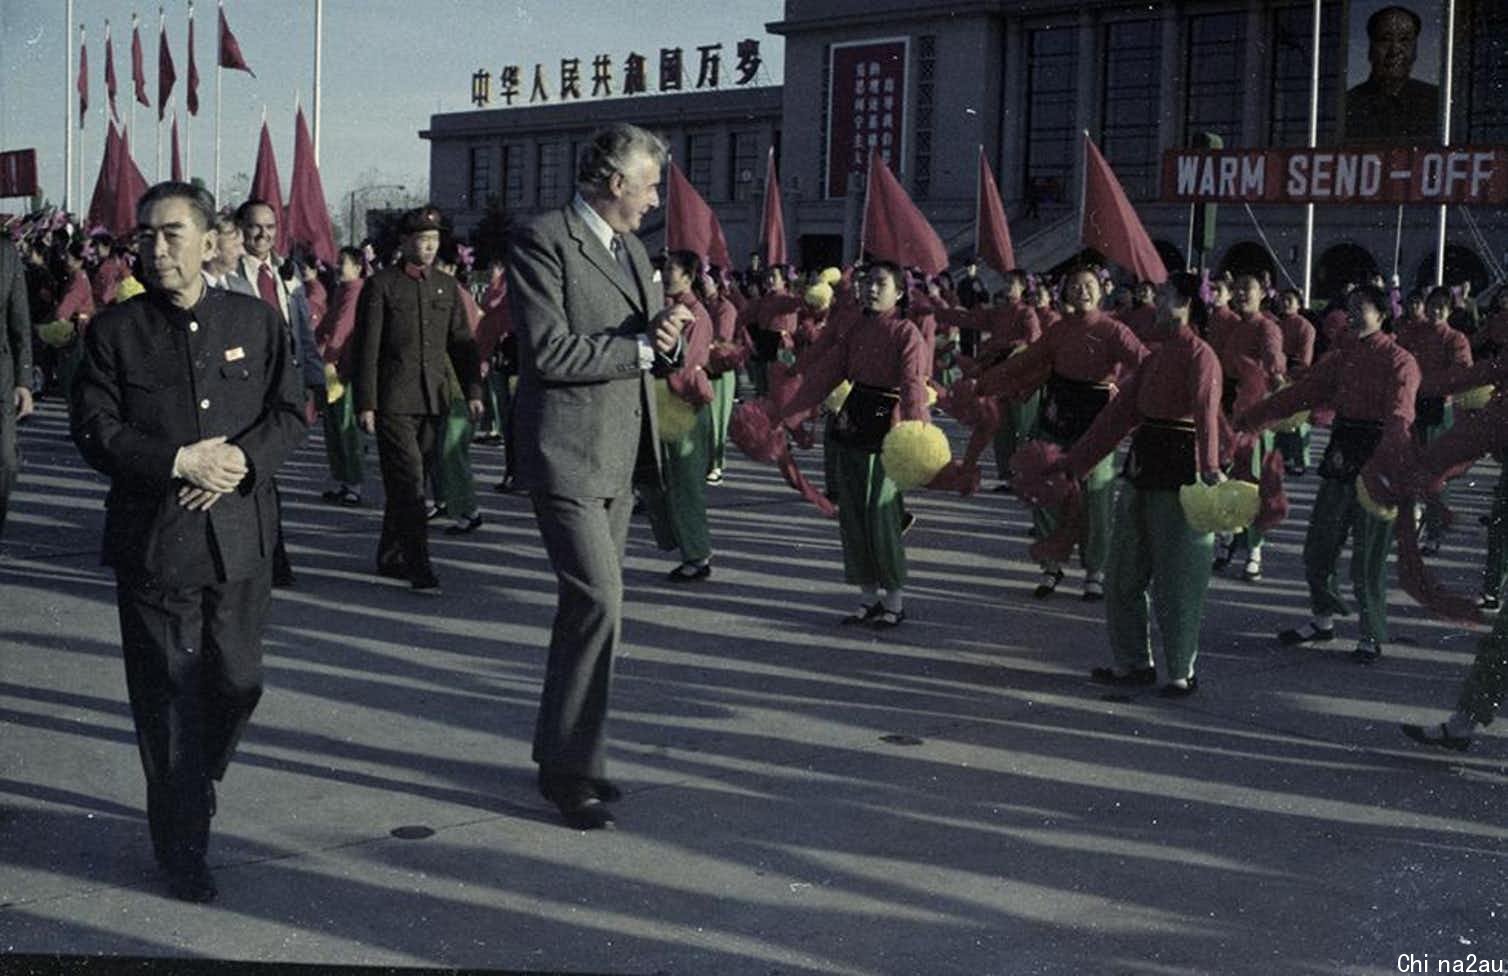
(1473, 175)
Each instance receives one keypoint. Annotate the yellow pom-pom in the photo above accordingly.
(1198, 501)
(128, 288)
(676, 416)
(1473, 399)
(1293, 424)
(931, 395)
(1364, 498)
(334, 388)
(819, 296)
(913, 453)
(56, 334)
(838, 396)
(830, 276)
(1236, 505)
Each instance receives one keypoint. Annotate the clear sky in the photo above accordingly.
(388, 66)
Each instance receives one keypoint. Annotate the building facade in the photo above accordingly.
(1023, 80)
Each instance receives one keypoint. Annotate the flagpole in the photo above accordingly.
(864, 214)
(1083, 186)
(188, 117)
(68, 90)
(131, 119)
(319, 33)
(78, 163)
(1450, 71)
(978, 197)
(1314, 83)
(219, 76)
(162, 25)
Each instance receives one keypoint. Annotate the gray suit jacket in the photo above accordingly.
(584, 409)
(15, 329)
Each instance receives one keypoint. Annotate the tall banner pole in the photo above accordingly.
(1445, 94)
(69, 94)
(319, 33)
(978, 197)
(162, 25)
(219, 76)
(188, 117)
(77, 196)
(131, 116)
(1314, 85)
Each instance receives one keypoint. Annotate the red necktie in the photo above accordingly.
(269, 289)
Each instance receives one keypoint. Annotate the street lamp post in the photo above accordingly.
(351, 227)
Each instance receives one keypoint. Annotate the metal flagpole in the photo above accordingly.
(131, 118)
(188, 117)
(69, 94)
(978, 197)
(219, 78)
(1314, 84)
(162, 24)
(319, 32)
(78, 164)
(1445, 92)
(1398, 243)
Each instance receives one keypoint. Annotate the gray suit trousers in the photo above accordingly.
(585, 539)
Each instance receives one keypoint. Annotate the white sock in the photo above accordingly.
(1323, 621)
(895, 600)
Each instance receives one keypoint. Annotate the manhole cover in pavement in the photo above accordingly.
(412, 832)
(897, 739)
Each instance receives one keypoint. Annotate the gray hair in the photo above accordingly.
(610, 151)
(200, 200)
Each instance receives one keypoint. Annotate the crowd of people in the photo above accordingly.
(613, 380)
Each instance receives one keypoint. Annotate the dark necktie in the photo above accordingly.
(268, 287)
(621, 254)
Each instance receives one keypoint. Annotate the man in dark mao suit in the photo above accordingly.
(189, 401)
(591, 326)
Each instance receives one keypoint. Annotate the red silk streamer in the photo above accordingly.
(762, 439)
(1419, 583)
(1274, 501)
(1042, 479)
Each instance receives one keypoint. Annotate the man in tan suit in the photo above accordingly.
(592, 330)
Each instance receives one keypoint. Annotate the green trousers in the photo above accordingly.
(1294, 444)
(1496, 568)
(869, 521)
(1099, 513)
(1436, 506)
(1487, 683)
(1017, 421)
(1153, 548)
(343, 439)
(678, 511)
(723, 388)
(454, 486)
(1336, 515)
(495, 399)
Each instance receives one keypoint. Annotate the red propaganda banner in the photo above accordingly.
(1476, 175)
(18, 173)
(866, 108)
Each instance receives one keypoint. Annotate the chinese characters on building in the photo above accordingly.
(632, 75)
(866, 109)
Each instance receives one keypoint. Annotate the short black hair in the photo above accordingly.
(1373, 296)
(243, 212)
(200, 201)
(689, 262)
(1376, 19)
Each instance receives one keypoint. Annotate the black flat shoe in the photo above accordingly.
(1049, 584)
(689, 573)
(607, 791)
(1138, 677)
(886, 619)
(465, 528)
(863, 615)
(1455, 743)
(578, 801)
(424, 583)
(193, 884)
(1309, 634)
(1179, 691)
(1367, 653)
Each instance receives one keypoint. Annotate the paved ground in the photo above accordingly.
(1025, 822)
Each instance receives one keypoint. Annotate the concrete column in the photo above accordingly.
(1174, 85)
(1257, 70)
(1090, 72)
(1012, 146)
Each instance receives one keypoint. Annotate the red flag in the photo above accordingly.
(110, 72)
(691, 225)
(772, 224)
(83, 82)
(130, 186)
(308, 222)
(191, 93)
(230, 51)
(894, 230)
(1110, 222)
(177, 161)
(265, 185)
(166, 75)
(102, 202)
(138, 67)
(992, 236)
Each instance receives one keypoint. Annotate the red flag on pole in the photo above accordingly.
(177, 162)
(992, 234)
(265, 185)
(1110, 223)
(138, 67)
(894, 229)
(772, 224)
(130, 186)
(166, 75)
(102, 202)
(308, 218)
(83, 82)
(110, 72)
(230, 51)
(691, 225)
(191, 93)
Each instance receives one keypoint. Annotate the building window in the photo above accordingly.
(1487, 106)
(551, 173)
(1052, 59)
(1293, 30)
(699, 148)
(743, 164)
(1216, 86)
(483, 176)
(1132, 103)
(513, 176)
(926, 85)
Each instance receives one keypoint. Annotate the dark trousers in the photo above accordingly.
(194, 674)
(10, 458)
(585, 539)
(403, 442)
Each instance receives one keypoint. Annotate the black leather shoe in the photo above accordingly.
(689, 572)
(464, 528)
(863, 615)
(426, 582)
(193, 884)
(1421, 735)
(577, 800)
(607, 790)
(1049, 584)
(1137, 677)
(1310, 634)
(1180, 691)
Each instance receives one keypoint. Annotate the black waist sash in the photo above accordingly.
(1162, 456)
(1429, 411)
(766, 343)
(865, 418)
(1351, 445)
(1070, 406)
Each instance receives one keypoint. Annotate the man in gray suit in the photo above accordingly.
(592, 330)
(15, 367)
